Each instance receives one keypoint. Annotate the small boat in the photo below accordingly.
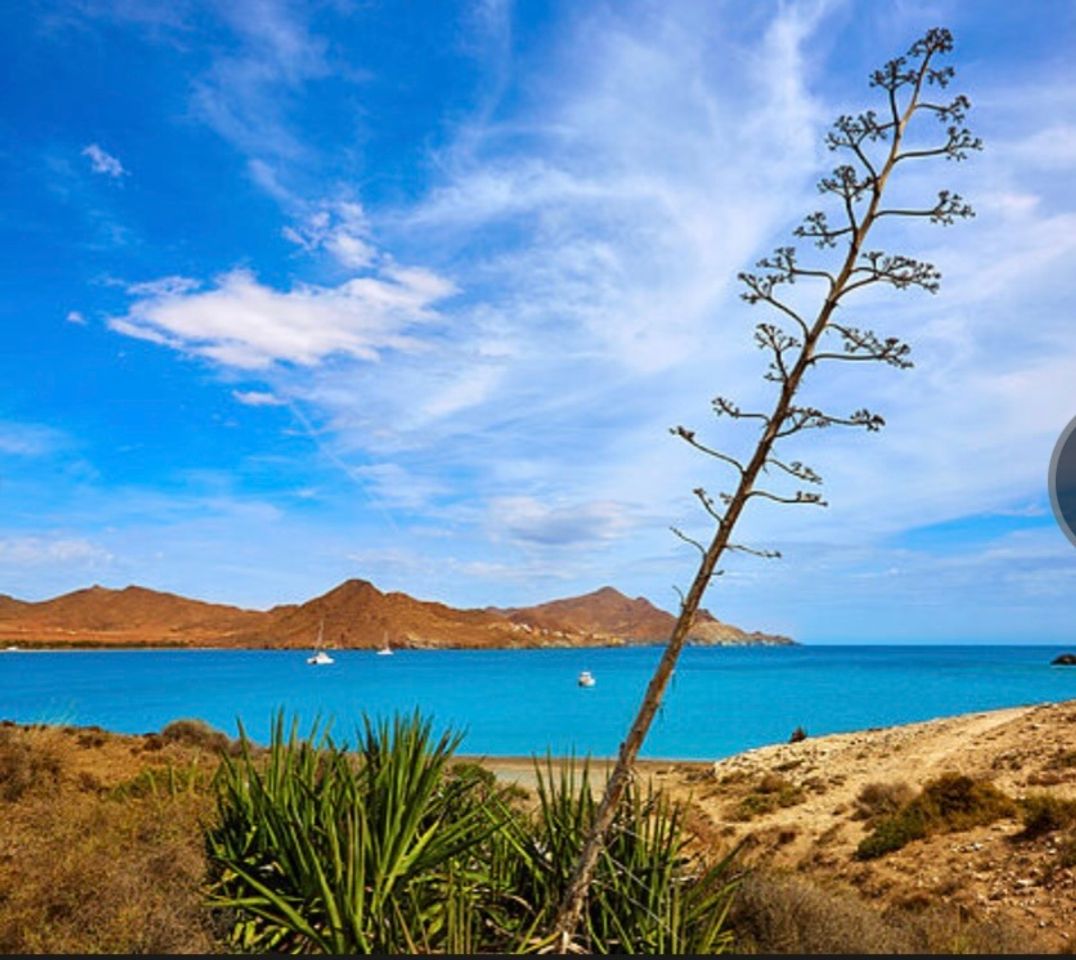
(12, 649)
(586, 679)
(320, 657)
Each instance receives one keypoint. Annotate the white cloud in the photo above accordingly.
(102, 162)
(29, 439)
(257, 398)
(533, 521)
(244, 96)
(39, 551)
(76, 317)
(341, 229)
(242, 323)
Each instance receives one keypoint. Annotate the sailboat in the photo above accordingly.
(385, 650)
(320, 657)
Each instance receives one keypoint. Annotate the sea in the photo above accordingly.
(721, 700)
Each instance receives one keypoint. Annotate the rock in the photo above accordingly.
(1064, 660)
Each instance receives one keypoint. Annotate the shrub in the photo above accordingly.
(1044, 813)
(950, 802)
(881, 799)
(29, 762)
(780, 913)
(196, 733)
(770, 793)
(797, 735)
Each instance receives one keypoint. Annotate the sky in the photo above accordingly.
(293, 293)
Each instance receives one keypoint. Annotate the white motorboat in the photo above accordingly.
(320, 657)
(586, 679)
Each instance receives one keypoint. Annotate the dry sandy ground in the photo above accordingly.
(988, 870)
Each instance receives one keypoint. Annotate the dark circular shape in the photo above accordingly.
(1063, 481)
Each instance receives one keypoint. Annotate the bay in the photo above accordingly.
(524, 702)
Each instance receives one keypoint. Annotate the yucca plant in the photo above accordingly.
(649, 896)
(388, 850)
(320, 850)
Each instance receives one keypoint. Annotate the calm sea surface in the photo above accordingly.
(514, 702)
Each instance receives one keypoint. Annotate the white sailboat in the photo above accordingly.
(320, 657)
(385, 650)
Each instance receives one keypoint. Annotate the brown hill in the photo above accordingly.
(608, 613)
(131, 615)
(357, 614)
(354, 614)
(9, 606)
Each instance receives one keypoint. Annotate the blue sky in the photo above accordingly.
(413, 292)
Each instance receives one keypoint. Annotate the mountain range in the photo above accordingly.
(354, 614)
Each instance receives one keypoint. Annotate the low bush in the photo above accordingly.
(770, 793)
(29, 762)
(881, 799)
(196, 733)
(1044, 813)
(950, 802)
(781, 913)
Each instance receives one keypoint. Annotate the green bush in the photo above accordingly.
(391, 850)
(950, 802)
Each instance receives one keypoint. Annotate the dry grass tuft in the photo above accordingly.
(779, 913)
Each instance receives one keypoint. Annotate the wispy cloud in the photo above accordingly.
(342, 229)
(258, 398)
(246, 94)
(30, 439)
(241, 323)
(102, 162)
(38, 551)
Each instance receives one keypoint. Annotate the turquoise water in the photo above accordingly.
(520, 702)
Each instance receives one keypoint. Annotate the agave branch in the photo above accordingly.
(856, 189)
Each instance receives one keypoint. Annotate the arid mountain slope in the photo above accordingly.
(608, 612)
(354, 614)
